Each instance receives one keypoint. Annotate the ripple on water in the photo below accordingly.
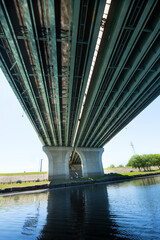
(128, 210)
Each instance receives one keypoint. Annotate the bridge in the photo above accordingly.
(81, 70)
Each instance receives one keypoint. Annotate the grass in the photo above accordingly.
(140, 173)
(109, 168)
(24, 173)
(23, 184)
(95, 178)
(117, 175)
(26, 184)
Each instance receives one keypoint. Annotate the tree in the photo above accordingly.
(135, 162)
(112, 166)
(120, 165)
(147, 159)
(156, 160)
(144, 161)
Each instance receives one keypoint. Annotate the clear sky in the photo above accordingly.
(21, 150)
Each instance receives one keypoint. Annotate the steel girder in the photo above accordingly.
(130, 47)
(140, 104)
(116, 117)
(10, 34)
(93, 126)
(16, 91)
(38, 61)
(92, 43)
(129, 75)
(47, 62)
(74, 39)
(120, 17)
(52, 22)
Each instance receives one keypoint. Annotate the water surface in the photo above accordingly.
(127, 210)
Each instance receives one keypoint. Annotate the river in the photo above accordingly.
(126, 210)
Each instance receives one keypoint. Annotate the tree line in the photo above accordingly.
(144, 162)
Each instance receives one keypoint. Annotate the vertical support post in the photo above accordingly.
(58, 162)
(41, 165)
(91, 161)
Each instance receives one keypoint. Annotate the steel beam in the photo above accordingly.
(150, 41)
(52, 23)
(116, 30)
(9, 32)
(75, 21)
(125, 79)
(144, 100)
(135, 84)
(17, 93)
(99, 9)
(38, 61)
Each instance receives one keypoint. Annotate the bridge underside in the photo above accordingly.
(81, 69)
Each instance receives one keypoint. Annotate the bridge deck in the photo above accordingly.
(47, 49)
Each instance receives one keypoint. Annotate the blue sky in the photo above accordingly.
(21, 150)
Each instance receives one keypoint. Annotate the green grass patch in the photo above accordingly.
(83, 179)
(96, 178)
(114, 168)
(106, 176)
(23, 184)
(109, 168)
(116, 175)
(24, 173)
(140, 173)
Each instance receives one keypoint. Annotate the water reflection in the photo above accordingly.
(127, 210)
(80, 213)
(138, 182)
(30, 223)
(22, 216)
(135, 207)
(149, 181)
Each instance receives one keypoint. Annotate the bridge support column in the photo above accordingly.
(91, 161)
(58, 157)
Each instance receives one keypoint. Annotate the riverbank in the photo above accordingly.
(111, 178)
(108, 178)
(23, 187)
(23, 177)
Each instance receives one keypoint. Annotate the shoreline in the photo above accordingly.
(41, 188)
(107, 180)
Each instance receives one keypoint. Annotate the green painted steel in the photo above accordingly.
(47, 49)
(9, 32)
(133, 111)
(92, 40)
(38, 61)
(97, 127)
(52, 22)
(92, 93)
(68, 64)
(75, 21)
(128, 95)
(126, 54)
(11, 81)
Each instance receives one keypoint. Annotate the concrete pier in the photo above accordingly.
(58, 167)
(91, 161)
